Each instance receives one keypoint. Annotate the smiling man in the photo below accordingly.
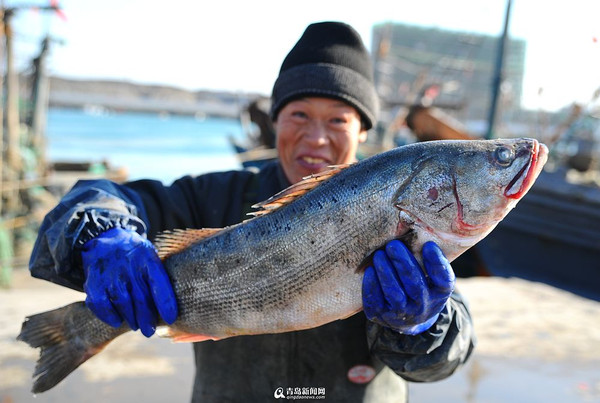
(315, 133)
(414, 326)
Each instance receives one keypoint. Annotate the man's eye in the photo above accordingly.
(299, 114)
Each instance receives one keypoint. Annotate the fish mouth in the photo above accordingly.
(525, 178)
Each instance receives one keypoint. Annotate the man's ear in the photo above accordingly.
(362, 136)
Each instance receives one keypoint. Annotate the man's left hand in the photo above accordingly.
(397, 294)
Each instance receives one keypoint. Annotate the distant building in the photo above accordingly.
(456, 67)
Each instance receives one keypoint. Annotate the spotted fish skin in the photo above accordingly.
(298, 263)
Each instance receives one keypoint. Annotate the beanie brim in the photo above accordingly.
(329, 81)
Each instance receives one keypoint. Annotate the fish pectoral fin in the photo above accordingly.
(291, 193)
(178, 336)
(171, 242)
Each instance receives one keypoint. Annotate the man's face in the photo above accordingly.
(314, 133)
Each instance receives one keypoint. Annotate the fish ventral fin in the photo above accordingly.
(296, 190)
(178, 336)
(171, 242)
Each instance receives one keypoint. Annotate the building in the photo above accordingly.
(456, 69)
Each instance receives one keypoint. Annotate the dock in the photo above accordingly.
(535, 343)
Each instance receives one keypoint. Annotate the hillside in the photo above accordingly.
(124, 95)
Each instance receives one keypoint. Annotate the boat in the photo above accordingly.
(258, 147)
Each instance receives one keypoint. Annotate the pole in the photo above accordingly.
(13, 158)
(40, 93)
(12, 98)
(498, 74)
(2, 67)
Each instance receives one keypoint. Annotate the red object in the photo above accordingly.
(57, 10)
(361, 374)
(432, 92)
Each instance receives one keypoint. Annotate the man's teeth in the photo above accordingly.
(311, 160)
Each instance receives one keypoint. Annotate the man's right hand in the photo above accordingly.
(125, 280)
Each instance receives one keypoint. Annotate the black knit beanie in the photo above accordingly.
(329, 60)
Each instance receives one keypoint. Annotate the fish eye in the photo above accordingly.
(504, 155)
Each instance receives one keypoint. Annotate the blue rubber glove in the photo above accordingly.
(396, 293)
(125, 280)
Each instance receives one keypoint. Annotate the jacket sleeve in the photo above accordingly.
(88, 209)
(145, 206)
(432, 355)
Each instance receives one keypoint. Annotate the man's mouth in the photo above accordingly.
(313, 160)
(313, 163)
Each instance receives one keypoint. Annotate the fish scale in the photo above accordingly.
(297, 263)
(306, 264)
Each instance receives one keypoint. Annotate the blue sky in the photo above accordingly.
(239, 45)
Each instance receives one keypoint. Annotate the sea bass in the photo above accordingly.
(298, 263)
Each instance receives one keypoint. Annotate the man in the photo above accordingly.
(323, 103)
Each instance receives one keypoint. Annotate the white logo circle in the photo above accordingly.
(279, 393)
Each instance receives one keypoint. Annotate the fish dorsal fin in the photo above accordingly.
(296, 190)
(171, 242)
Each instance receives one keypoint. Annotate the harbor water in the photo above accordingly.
(147, 145)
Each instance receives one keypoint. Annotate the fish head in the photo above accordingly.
(460, 190)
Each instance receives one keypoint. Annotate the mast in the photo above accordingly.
(498, 74)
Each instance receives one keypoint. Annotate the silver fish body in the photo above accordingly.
(298, 264)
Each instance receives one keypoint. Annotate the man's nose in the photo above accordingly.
(317, 133)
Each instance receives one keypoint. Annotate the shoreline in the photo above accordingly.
(527, 334)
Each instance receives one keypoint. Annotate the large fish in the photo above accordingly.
(297, 264)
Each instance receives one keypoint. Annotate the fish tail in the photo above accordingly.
(67, 337)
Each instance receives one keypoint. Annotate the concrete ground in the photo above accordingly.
(535, 344)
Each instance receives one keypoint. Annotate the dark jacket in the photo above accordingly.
(252, 368)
